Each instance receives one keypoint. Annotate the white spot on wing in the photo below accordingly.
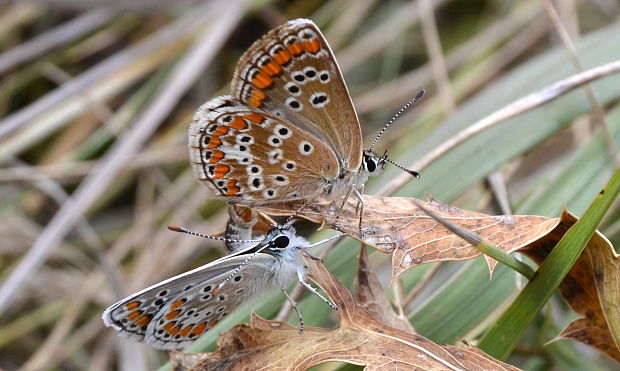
(319, 100)
(282, 131)
(294, 104)
(289, 165)
(306, 148)
(274, 141)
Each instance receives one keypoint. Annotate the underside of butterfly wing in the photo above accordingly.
(131, 316)
(192, 313)
(292, 71)
(256, 157)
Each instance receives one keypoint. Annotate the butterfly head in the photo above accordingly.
(280, 237)
(283, 237)
(372, 163)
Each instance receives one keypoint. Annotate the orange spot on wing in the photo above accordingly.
(216, 156)
(177, 303)
(233, 191)
(216, 290)
(255, 117)
(143, 321)
(221, 130)
(172, 315)
(220, 171)
(186, 330)
(262, 80)
(312, 46)
(168, 326)
(246, 215)
(173, 331)
(232, 187)
(213, 324)
(214, 143)
(134, 315)
(282, 57)
(133, 305)
(200, 328)
(296, 48)
(238, 123)
(256, 99)
(271, 68)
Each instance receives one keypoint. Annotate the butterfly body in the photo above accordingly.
(288, 131)
(175, 312)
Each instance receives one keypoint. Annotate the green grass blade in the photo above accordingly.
(505, 334)
(463, 302)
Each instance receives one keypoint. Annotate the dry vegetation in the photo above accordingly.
(95, 104)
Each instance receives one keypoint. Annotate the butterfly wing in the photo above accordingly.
(292, 71)
(132, 316)
(193, 312)
(244, 224)
(256, 157)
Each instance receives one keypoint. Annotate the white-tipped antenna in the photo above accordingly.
(183, 230)
(397, 115)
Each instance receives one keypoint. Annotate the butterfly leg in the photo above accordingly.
(301, 320)
(359, 206)
(344, 201)
(315, 292)
(291, 219)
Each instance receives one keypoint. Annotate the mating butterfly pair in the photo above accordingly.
(288, 131)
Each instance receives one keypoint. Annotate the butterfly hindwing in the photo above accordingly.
(193, 312)
(255, 157)
(133, 315)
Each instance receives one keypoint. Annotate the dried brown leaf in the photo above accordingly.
(591, 288)
(361, 339)
(396, 224)
(371, 296)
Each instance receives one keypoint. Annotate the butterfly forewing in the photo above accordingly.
(292, 72)
(255, 156)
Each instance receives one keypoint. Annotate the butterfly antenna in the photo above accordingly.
(397, 115)
(293, 217)
(236, 270)
(327, 240)
(412, 172)
(291, 220)
(183, 230)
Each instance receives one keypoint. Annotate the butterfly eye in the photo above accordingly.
(370, 163)
(281, 242)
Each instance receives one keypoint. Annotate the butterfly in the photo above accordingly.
(174, 313)
(288, 131)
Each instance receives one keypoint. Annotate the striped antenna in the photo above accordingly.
(183, 230)
(397, 115)
(236, 270)
(411, 172)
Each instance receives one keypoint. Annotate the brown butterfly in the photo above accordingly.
(288, 131)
